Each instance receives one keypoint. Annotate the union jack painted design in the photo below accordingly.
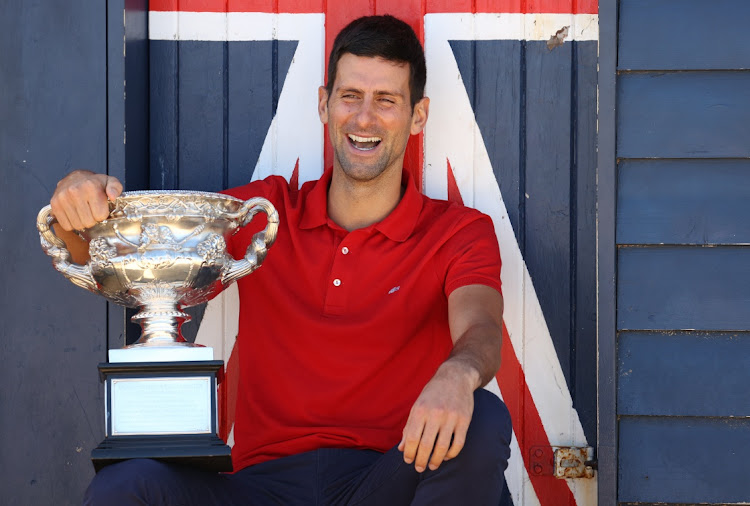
(452, 162)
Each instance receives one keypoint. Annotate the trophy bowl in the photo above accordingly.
(161, 251)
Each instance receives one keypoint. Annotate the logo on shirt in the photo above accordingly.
(394, 290)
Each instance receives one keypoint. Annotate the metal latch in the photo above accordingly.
(563, 461)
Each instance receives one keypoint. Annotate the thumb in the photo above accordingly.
(113, 188)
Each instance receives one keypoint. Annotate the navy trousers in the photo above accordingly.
(326, 476)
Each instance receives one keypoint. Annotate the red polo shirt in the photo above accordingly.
(340, 331)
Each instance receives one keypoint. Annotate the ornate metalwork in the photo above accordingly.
(161, 252)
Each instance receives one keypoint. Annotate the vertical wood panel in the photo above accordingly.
(583, 309)
(547, 187)
(257, 72)
(53, 108)
(201, 115)
(164, 114)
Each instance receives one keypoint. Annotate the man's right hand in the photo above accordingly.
(80, 200)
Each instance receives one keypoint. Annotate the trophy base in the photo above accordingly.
(203, 452)
(165, 411)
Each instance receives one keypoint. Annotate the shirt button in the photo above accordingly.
(337, 282)
(345, 250)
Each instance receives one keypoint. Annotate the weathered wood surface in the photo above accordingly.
(683, 373)
(683, 35)
(684, 460)
(683, 202)
(684, 115)
(53, 111)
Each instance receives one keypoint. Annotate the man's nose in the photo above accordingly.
(366, 113)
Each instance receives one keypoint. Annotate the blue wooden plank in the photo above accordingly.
(683, 115)
(705, 374)
(53, 333)
(684, 460)
(584, 387)
(549, 178)
(672, 288)
(683, 34)
(257, 71)
(201, 117)
(487, 66)
(606, 265)
(163, 110)
(683, 202)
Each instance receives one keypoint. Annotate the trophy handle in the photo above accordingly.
(260, 243)
(55, 247)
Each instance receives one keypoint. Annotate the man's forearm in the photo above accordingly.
(476, 354)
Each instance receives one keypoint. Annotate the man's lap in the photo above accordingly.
(325, 476)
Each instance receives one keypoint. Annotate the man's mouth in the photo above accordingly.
(364, 143)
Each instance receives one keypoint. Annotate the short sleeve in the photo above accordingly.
(471, 256)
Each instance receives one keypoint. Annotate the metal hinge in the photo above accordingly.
(562, 461)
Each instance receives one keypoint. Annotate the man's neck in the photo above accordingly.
(355, 204)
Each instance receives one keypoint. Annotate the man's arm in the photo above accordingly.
(80, 201)
(440, 417)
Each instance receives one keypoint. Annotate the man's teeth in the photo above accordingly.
(357, 138)
(364, 143)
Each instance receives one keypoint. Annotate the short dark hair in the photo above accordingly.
(386, 37)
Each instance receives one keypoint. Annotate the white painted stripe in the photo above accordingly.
(222, 26)
(296, 130)
(450, 131)
(244, 26)
(506, 26)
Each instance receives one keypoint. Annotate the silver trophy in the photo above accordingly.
(162, 251)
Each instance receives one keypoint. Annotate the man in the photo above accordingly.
(367, 334)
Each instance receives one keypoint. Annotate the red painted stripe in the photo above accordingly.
(528, 426)
(402, 9)
(290, 6)
(227, 400)
(294, 180)
(454, 194)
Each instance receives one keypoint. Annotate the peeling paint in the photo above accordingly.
(558, 38)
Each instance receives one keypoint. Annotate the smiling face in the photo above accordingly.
(369, 116)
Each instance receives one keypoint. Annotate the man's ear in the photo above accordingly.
(419, 115)
(323, 104)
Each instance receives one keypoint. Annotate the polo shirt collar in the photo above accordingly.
(397, 226)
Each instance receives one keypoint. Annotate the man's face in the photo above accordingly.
(369, 116)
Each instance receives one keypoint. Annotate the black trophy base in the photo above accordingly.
(206, 452)
(137, 396)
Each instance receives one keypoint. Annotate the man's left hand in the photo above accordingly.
(438, 421)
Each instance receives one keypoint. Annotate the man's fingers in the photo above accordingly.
(442, 445)
(114, 188)
(80, 200)
(412, 434)
(459, 438)
(426, 444)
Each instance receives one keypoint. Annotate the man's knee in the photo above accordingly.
(124, 483)
(488, 438)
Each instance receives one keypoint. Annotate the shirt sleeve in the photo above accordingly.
(471, 255)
